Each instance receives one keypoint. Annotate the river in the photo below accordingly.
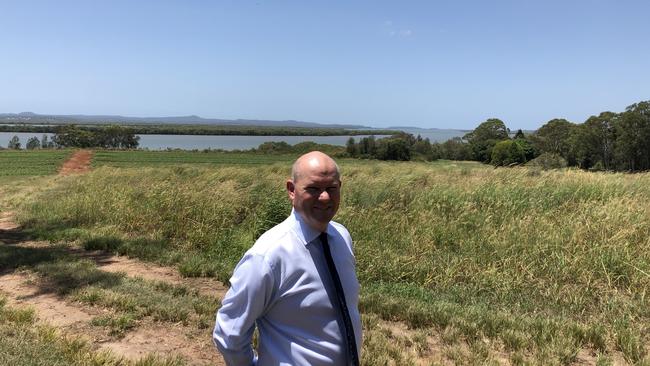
(200, 142)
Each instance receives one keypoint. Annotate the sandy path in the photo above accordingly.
(21, 289)
(112, 263)
(78, 163)
(135, 268)
(73, 318)
(7, 221)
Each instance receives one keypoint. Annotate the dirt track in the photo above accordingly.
(78, 163)
(74, 318)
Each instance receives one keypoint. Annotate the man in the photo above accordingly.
(297, 283)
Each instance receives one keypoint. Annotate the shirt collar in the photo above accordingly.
(305, 233)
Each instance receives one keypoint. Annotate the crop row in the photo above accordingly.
(25, 163)
(155, 158)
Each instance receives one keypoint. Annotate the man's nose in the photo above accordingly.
(324, 196)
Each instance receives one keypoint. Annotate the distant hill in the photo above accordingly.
(33, 118)
(433, 134)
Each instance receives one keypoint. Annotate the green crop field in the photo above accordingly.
(31, 163)
(138, 158)
(22, 171)
(486, 266)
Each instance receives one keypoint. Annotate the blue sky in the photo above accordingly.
(443, 64)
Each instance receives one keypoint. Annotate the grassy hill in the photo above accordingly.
(514, 265)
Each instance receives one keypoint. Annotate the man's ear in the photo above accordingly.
(291, 189)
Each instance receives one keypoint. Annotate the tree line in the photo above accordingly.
(214, 130)
(108, 137)
(32, 143)
(609, 141)
(402, 146)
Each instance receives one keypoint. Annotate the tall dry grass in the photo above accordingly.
(537, 264)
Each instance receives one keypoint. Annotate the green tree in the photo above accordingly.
(73, 136)
(351, 147)
(484, 137)
(14, 143)
(116, 137)
(632, 147)
(33, 143)
(45, 143)
(529, 149)
(507, 152)
(393, 149)
(274, 147)
(519, 134)
(594, 142)
(556, 137)
(424, 149)
(548, 161)
(110, 137)
(368, 147)
(455, 149)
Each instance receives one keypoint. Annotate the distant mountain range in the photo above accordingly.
(33, 118)
(435, 134)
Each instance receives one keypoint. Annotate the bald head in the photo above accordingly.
(314, 161)
(315, 189)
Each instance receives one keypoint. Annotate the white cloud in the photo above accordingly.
(392, 31)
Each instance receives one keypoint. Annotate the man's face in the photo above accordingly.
(316, 196)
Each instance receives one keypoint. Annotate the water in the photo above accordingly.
(434, 135)
(200, 142)
(190, 142)
(23, 136)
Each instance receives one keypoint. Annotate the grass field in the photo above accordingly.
(501, 265)
(31, 163)
(164, 158)
(21, 172)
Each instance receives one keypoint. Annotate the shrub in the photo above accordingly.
(549, 161)
(507, 152)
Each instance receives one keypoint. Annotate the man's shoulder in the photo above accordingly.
(339, 227)
(342, 231)
(273, 239)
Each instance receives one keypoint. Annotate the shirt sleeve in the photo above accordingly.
(250, 293)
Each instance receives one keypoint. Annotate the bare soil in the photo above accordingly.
(135, 268)
(7, 221)
(78, 163)
(21, 289)
(74, 319)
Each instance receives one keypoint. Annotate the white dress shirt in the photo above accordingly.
(282, 284)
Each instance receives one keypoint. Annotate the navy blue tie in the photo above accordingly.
(343, 307)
